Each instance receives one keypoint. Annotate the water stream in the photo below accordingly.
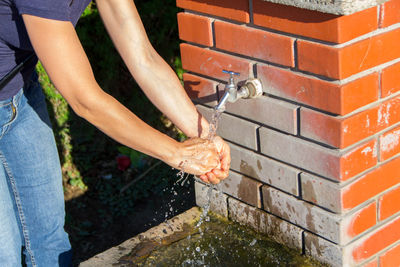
(211, 135)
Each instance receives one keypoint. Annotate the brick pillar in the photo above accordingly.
(315, 160)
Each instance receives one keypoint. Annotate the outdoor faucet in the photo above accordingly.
(252, 88)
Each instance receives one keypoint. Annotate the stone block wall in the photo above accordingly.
(316, 159)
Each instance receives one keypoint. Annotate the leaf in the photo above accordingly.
(135, 157)
(124, 150)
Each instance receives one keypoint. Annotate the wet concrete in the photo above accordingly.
(218, 242)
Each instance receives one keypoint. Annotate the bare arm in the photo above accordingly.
(151, 72)
(61, 53)
(155, 77)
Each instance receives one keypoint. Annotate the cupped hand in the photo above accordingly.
(196, 156)
(217, 174)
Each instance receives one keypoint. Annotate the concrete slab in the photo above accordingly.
(112, 256)
(338, 7)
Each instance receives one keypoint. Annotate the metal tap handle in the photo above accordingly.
(231, 72)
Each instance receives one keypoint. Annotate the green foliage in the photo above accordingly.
(159, 20)
(58, 103)
(135, 156)
(99, 48)
(178, 67)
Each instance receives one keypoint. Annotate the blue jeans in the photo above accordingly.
(32, 210)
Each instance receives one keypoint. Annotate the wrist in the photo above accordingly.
(202, 127)
(169, 153)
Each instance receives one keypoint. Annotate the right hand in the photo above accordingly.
(195, 156)
(217, 175)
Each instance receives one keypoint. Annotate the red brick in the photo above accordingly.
(196, 29)
(391, 258)
(359, 92)
(281, 114)
(243, 188)
(233, 129)
(200, 89)
(321, 127)
(322, 192)
(340, 63)
(390, 144)
(389, 204)
(314, 24)
(330, 163)
(254, 43)
(264, 169)
(303, 214)
(231, 9)
(384, 237)
(336, 131)
(315, 92)
(390, 80)
(211, 63)
(390, 13)
(371, 184)
(264, 223)
(358, 160)
(344, 131)
(373, 263)
(362, 220)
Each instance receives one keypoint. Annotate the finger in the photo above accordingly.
(204, 178)
(225, 160)
(217, 172)
(212, 178)
(214, 160)
(220, 174)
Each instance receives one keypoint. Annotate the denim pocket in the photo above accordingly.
(8, 114)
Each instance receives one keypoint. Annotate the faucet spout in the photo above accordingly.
(252, 88)
(230, 91)
(222, 102)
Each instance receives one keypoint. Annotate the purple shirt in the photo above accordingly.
(14, 41)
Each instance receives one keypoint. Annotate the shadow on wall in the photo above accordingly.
(262, 7)
(196, 94)
(290, 13)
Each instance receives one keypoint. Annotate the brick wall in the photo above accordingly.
(315, 160)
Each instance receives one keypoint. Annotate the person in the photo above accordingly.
(31, 196)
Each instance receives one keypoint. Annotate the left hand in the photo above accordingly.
(216, 175)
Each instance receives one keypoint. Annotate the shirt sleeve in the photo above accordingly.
(49, 9)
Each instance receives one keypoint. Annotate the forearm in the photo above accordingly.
(72, 75)
(165, 91)
(61, 53)
(111, 117)
(151, 72)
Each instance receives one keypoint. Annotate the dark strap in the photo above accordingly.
(7, 78)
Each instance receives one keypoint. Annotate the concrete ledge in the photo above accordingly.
(111, 257)
(338, 7)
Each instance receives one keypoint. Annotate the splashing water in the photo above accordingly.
(206, 207)
(212, 133)
(198, 254)
(214, 123)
